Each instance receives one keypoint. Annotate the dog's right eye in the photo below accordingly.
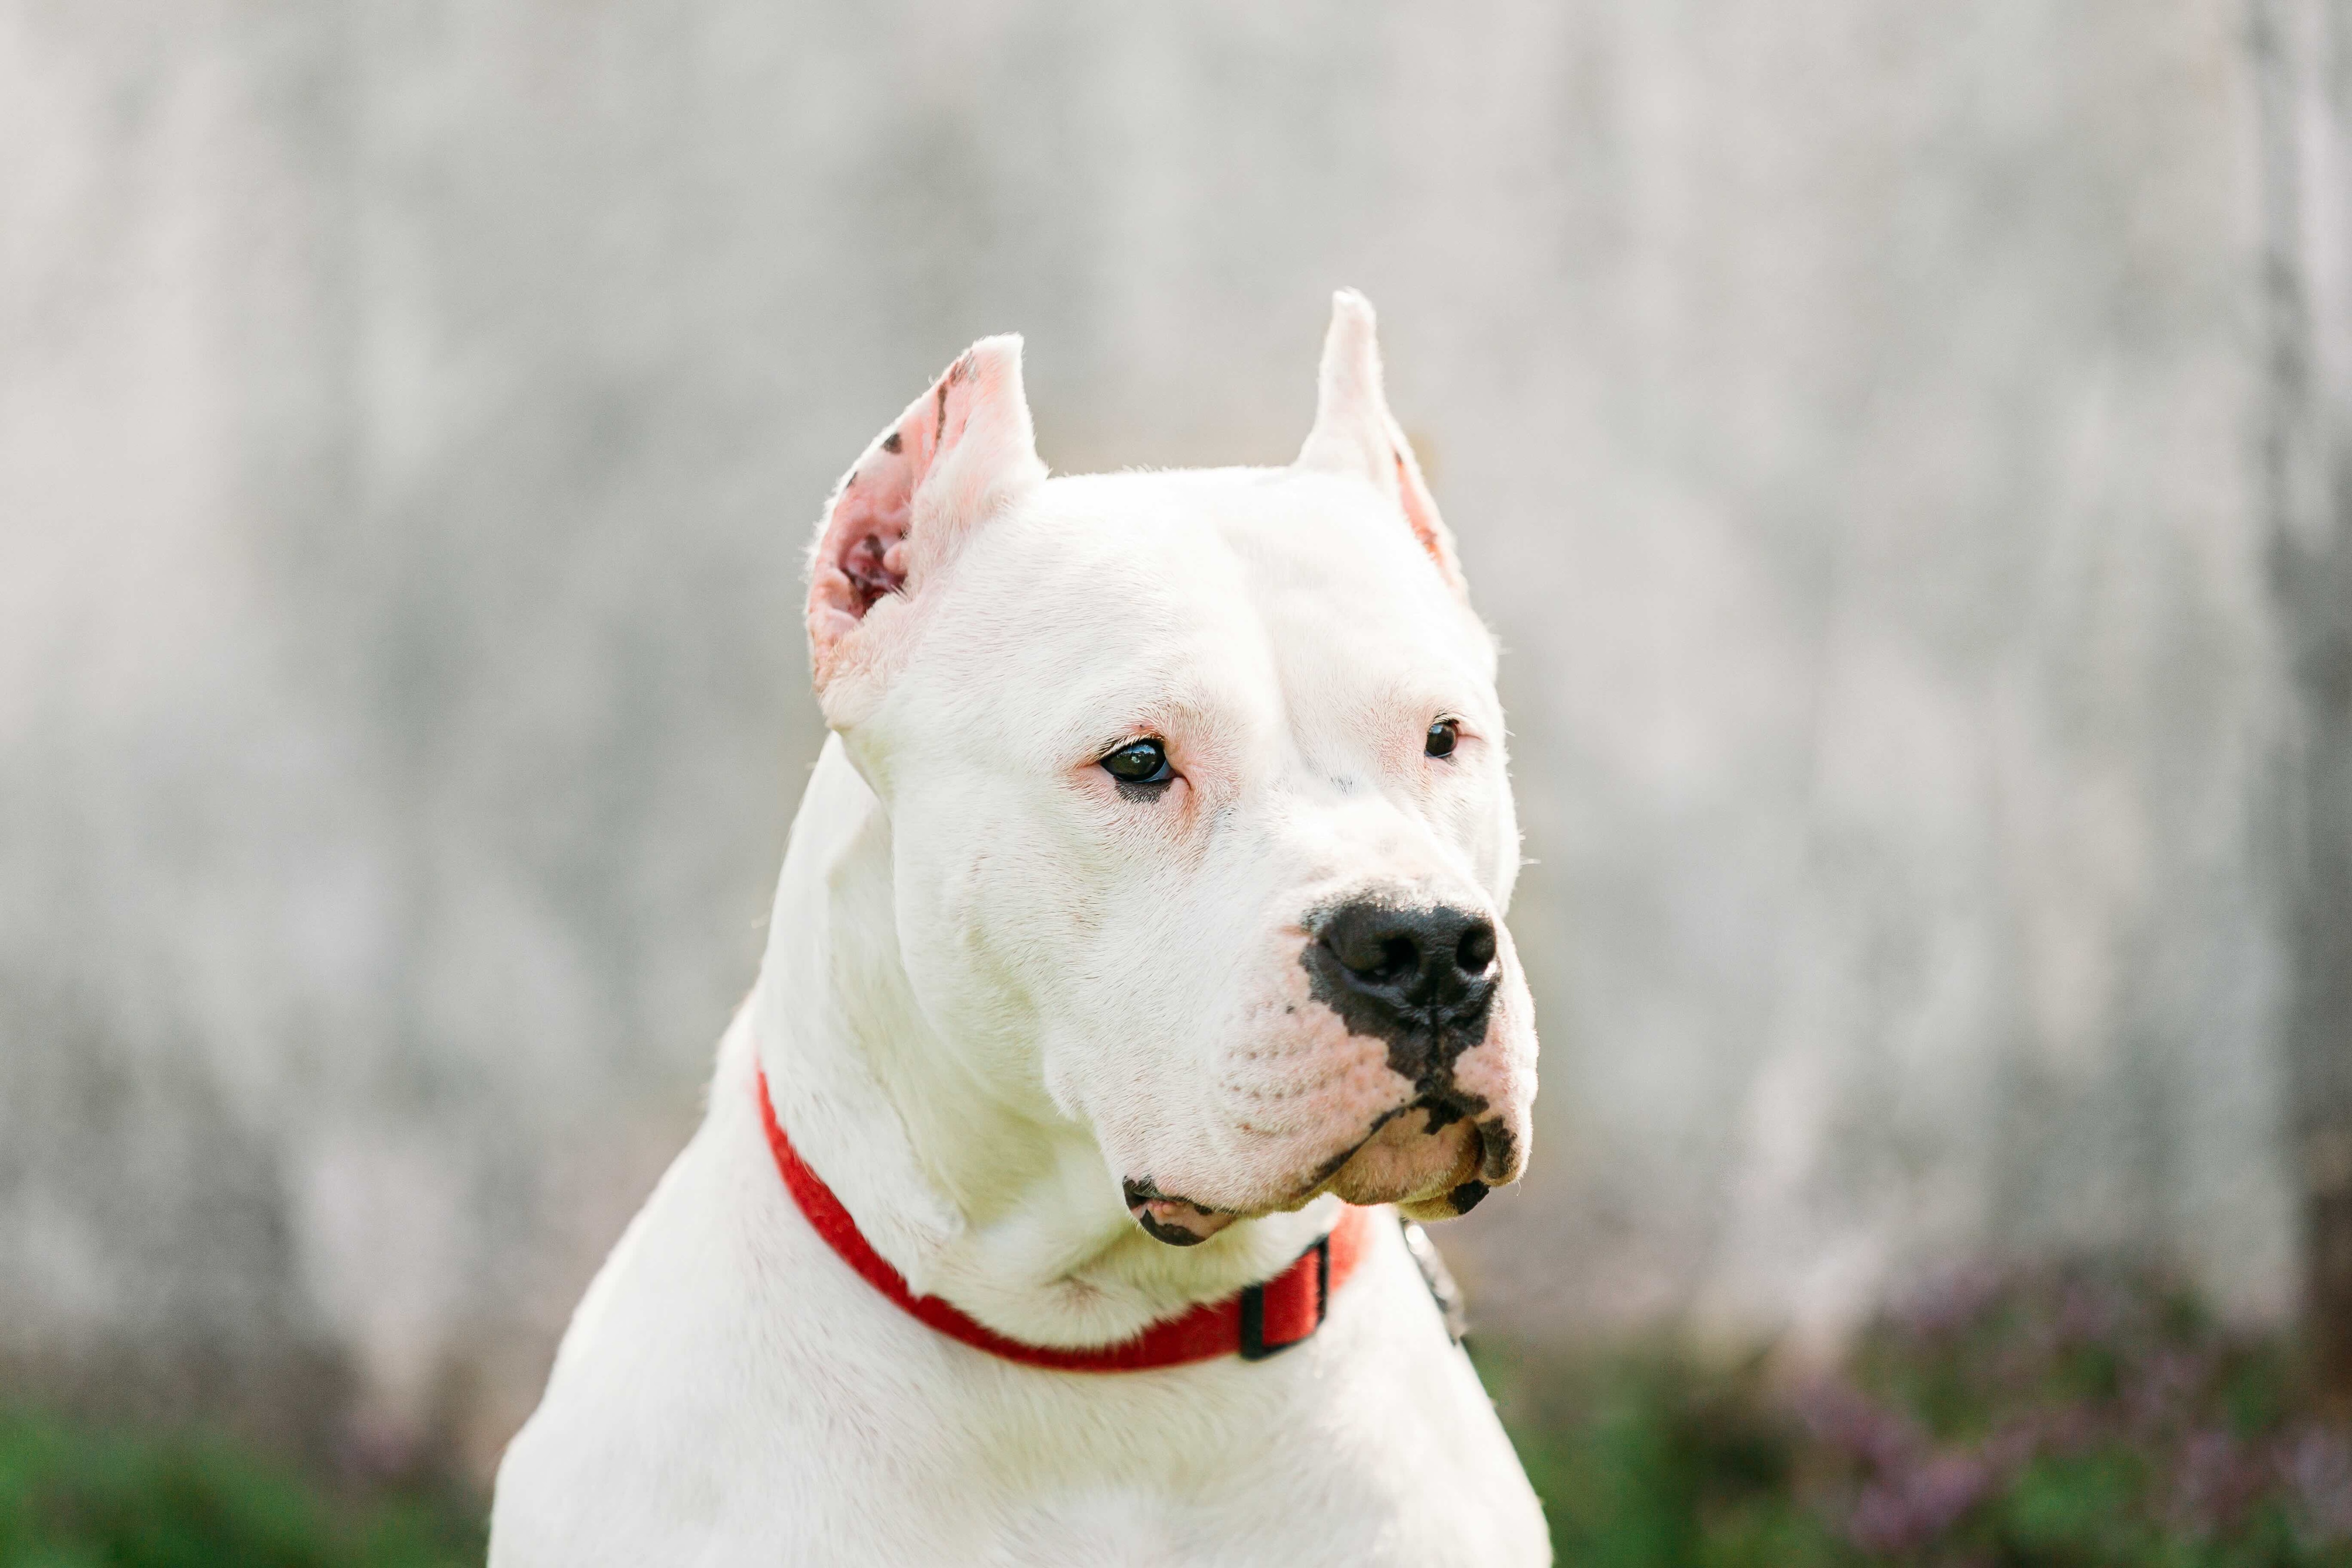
(1140, 763)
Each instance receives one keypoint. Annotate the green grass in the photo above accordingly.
(77, 1496)
(2067, 1417)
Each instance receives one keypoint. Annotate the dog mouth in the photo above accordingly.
(1178, 1221)
(1433, 1157)
(1429, 1165)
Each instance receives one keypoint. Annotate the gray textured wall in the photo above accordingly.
(410, 418)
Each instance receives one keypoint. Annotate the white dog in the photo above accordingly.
(1141, 926)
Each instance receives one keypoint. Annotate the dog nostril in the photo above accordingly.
(1476, 949)
(1399, 957)
(1380, 957)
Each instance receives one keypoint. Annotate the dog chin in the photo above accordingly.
(1428, 1164)
(1429, 1171)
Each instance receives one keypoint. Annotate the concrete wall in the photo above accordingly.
(411, 416)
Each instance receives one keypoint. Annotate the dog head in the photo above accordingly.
(1200, 826)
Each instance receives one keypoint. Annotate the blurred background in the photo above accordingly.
(1901, 449)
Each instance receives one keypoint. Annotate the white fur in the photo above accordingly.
(997, 986)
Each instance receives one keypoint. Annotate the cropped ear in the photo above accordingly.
(1355, 433)
(961, 452)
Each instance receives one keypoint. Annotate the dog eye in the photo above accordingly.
(1140, 763)
(1441, 738)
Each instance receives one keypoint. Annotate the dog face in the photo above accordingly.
(1201, 829)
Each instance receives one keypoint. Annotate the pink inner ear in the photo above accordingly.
(1421, 511)
(861, 556)
(870, 570)
(866, 539)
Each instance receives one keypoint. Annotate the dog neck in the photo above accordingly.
(980, 1193)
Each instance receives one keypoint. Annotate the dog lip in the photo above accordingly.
(1139, 1190)
(1443, 1108)
(1499, 1151)
(1172, 1235)
(1163, 1217)
(1331, 1167)
(1443, 1105)
(1465, 1197)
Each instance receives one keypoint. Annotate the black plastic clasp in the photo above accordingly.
(1253, 1344)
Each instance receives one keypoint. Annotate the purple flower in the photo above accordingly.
(1904, 1511)
(1850, 1422)
(1951, 1305)
(2318, 1465)
(2215, 1478)
(2160, 1395)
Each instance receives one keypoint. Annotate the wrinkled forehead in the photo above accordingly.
(1109, 599)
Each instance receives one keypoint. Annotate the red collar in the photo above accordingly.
(1254, 1323)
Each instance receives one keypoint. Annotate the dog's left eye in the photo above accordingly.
(1442, 738)
(1140, 763)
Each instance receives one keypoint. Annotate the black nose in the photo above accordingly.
(1423, 968)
